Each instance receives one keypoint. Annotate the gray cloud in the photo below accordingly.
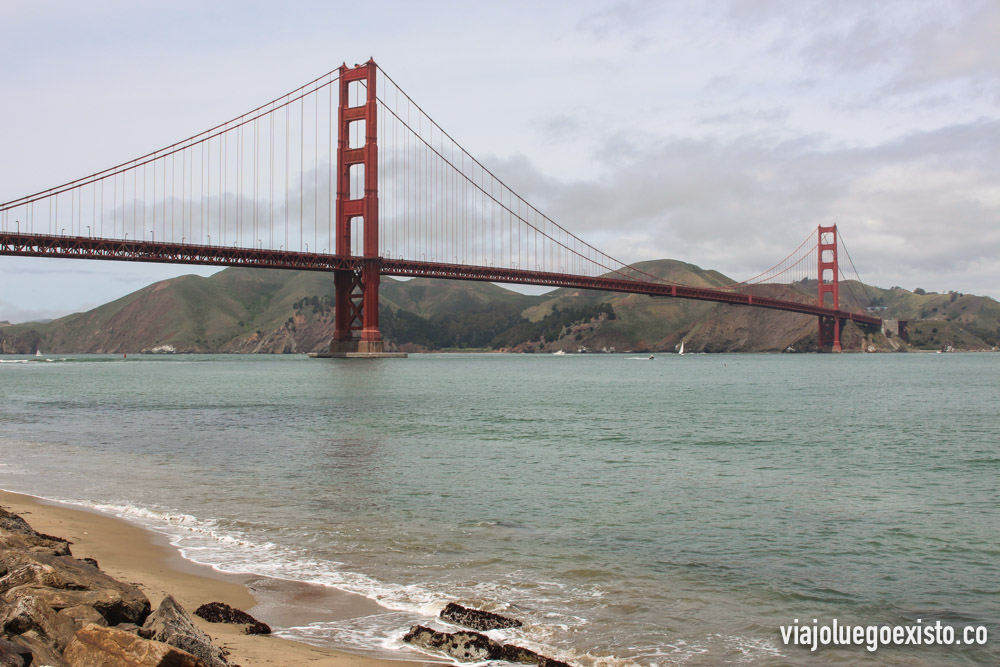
(744, 117)
(964, 47)
(923, 209)
(626, 18)
(718, 133)
(910, 46)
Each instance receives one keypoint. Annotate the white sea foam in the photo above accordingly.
(377, 634)
(751, 649)
(228, 550)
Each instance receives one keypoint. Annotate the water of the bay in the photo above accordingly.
(674, 510)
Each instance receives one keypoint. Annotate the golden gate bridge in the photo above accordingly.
(348, 174)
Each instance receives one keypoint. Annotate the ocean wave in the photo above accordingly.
(208, 542)
(219, 545)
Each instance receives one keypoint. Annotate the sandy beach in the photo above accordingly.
(132, 554)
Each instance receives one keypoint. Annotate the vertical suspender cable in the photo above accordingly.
(270, 177)
(302, 163)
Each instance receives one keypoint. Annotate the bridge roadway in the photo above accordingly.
(83, 247)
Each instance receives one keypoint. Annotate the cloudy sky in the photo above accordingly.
(720, 133)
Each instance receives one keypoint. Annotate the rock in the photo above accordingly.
(477, 619)
(16, 529)
(41, 651)
(549, 662)
(220, 612)
(68, 582)
(14, 655)
(111, 604)
(91, 561)
(171, 624)
(96, 646)
(128, 627)
(29, 614)
(21, 574)
(468, 646)
(464, 646)
(512, 653)
(258, 628)
(83, 615)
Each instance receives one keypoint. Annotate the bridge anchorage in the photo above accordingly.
(381, 189)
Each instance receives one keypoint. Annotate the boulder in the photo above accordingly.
(14, 529)
(71, 582)
(96, 646)
(171, 624)
(549, 662)
(18, 573)
(42, 651)
(512, 653)
(83, 615)
(477, 619)
(128, 627)
(464, 646)
(29, 614)
(14, 655)
(112, 604)
(467, 646)
(258, 628)
(220, 612)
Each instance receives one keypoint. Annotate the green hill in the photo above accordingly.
(257, 310)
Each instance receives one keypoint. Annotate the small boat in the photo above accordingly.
(681, 351)
(651, 356)
(38, 353)
(560, 353)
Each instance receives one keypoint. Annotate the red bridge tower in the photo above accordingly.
(356, 332)
(828, 278)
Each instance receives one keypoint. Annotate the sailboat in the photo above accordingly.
(681, 351)
(38, 353)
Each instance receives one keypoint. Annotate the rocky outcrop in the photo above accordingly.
(15, 532)
(467, 646)
(14, 655)
(220, 612)
(97, 646)
(62, 611)
(464, 646)
(477, 619)
(62, 582)
(171, 624)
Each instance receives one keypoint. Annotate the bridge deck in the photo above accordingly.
(81, 247)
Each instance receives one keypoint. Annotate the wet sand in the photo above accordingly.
(135, 555)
